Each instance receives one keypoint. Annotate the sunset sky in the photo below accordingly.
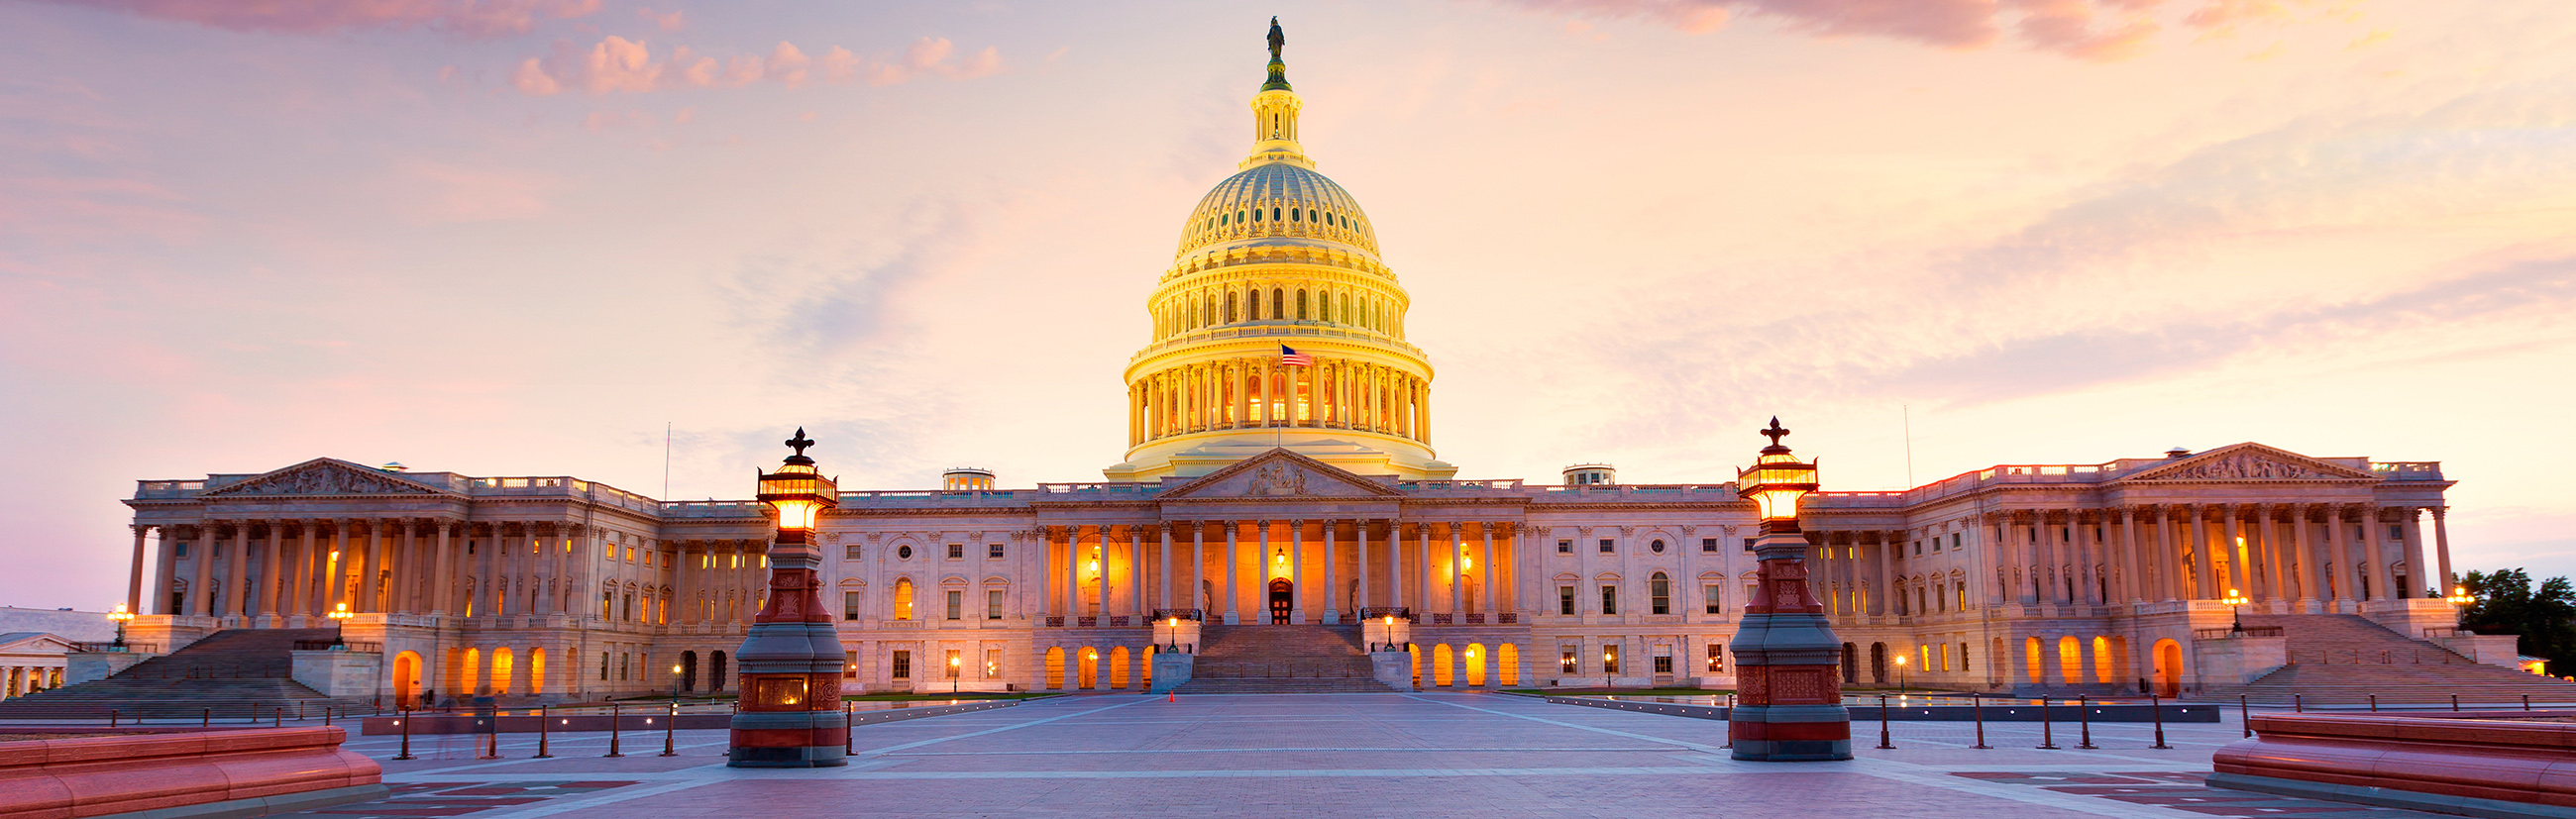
(518, 237)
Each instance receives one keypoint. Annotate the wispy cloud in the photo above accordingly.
(2084, 29)
(619, 65)
(472, 18)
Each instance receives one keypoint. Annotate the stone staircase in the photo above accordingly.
(1268, 659)
(2341, 660)
(236, 673)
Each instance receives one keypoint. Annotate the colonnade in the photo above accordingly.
(17, 680)
(308, 567)
(1251, 393)
(1333, 569)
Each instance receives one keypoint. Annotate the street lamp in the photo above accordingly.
(2460, 596)
(340, 612)
(1608, 656)
(1900, 676)
(952, 674)
(675, 684)
(790, 714)
(119, 615)
(2235, 603)
(1790, 709)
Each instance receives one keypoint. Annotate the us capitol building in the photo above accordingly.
(1260, 495)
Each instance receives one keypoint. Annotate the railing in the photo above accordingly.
(1398, 612)
(111, 647)
(1199, 615)
(1441, 618)
(2225, 633)
(338, 645)
(1510, 618)
(1055, 621)
(2384, 656)
(2448, 632)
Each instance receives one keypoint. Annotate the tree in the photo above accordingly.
(2509, 603)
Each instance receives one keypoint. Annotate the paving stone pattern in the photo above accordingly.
(1338, 755)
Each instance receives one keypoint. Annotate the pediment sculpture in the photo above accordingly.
(323, 478)
(1277, 479)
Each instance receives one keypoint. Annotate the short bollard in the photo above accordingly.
(2245, 714)
(277, 717)
(2157, 707)
(670, 729)
(406, 740)
(1883, 744)
(849, 720)
(2084, 712)
(2455, 702)
(111, 713)
(2526, 702)
(1977, 702)
(615, 722)
(543, 717)
(2298, 703)
(2047, 736)
(207, 717)
(2374, 703)
(1730, 716)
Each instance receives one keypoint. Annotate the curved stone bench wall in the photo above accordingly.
(2473, 763)
(239, 772)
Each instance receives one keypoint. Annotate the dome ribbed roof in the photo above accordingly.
(1293, 201)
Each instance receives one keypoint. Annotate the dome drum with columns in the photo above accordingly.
(1276, 256)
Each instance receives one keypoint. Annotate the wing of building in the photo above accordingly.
(1280, 511)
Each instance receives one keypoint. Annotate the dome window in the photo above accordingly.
(1256, 214)
(1274, 214)
(1294, 215)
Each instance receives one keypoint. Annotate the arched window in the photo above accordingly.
(1274, 214)
(1230, 299)
(1256, 214)
(1221, 219)
(1255, 315)
(1238, 217)
(903, 598)
(1278, 303)
(1324, 305)
(1296, 215)
(1301, 305)
(1659, 591)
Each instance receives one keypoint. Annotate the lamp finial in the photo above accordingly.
(800, 442)
(1776, 432)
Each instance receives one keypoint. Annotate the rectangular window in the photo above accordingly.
(1565, 600)
(956, 604)
(1918, 547)
(849, 665)
(1954, 540)
(630, 554)
(1608, 546)
(1663, 664)
(1565, 547)
(1565, 663)
(607, 607)
(1708, 544)
(603, 666)
(1609, 657)
(992, 663)
(993, 551)
(1748, 544)
(957, 551)
(622, 657)
(902, 664)
(1609, 600)
(849, 605)
(1716, 595)
(1659, 596)
(1716, 658)
(993, 604)
(850, 552)
(2396, 532)
(956, 665)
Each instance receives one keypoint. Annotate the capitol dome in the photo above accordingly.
(1278, 199)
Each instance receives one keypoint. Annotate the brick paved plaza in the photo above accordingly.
(1411, 755)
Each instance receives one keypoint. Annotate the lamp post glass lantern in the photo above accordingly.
(1789, 703)
(2236, 608)
(119, 616)
(790, 713)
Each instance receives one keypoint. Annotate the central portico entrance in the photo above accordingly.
(1283, 599)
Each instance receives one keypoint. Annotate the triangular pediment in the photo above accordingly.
(323, 476)
(1280, 474)
(2249, 462)
(35, 642)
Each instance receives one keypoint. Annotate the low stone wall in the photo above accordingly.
(2064, 712)
(2477, 763)
(247, 772)
(644, 719)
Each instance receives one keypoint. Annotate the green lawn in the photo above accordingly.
(1624, 692)
(962, 695)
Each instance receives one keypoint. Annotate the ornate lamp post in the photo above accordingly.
(119, 616)
(1788, 694)
(2236, 608)
(2460, 596)
(1901, 689)
(791, 713)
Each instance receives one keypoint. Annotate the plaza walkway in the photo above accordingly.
(1337, 755)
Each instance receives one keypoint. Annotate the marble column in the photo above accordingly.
(442, 571)
(2441, 546)
(1395, 563)
(1163, 565)
(1430, 585)
(2383, 580)
(1332, 613)
(1359, 538)
(235, 570)
(2419, 572)
(1485, 589)
(134, 583)
(169, 570)
(1297, 591)
(1234, 558)
(2303, 546)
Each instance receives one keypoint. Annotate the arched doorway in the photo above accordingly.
(1851, 664)
(504, 671)
(537, 671)
(1055, 668)
(1118, 658)
(2169, 668)
(1283, 598)
(1878, 663)
(688, 671)
(1507, 660)
(1441, 669)
(406, 679)
(1090, 668)
(1476, 659)
(470, 674)
(715, 671)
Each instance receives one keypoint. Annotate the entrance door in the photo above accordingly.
(1282, 598)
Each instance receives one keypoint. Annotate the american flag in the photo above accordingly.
(1289, 357)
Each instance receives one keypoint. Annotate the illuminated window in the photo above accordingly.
(1609, 657)
(1716, 658)
(1564, 663)
(903, 599)
(1663, 664)
(849, 665)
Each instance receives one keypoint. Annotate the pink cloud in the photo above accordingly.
(666, 22)
(457, 194)
(477, 18)
(2085, 29)
(618, 65)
